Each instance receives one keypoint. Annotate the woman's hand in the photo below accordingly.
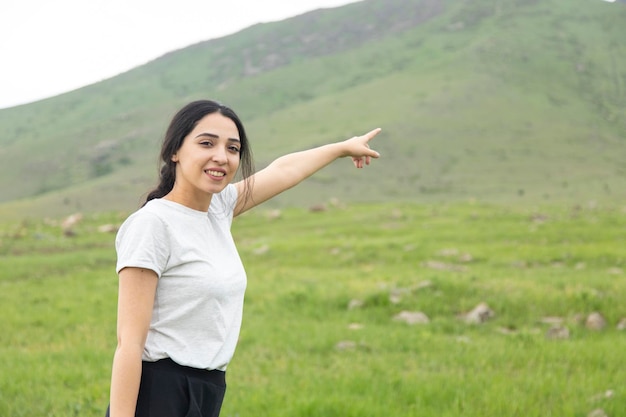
(358, 149)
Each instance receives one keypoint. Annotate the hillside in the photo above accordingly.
(508, 101)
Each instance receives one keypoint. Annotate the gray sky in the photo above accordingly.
(48, 47)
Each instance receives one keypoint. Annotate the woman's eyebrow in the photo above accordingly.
(212, 135)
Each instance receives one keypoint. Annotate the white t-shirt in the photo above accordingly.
(199, 298)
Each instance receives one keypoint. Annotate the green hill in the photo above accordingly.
(507, 101)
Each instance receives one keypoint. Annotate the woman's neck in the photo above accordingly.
(195, 201)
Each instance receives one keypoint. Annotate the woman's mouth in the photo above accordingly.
(217, 174)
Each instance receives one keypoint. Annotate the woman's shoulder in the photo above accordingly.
(153, 209)
(151, 215)
(225, 201)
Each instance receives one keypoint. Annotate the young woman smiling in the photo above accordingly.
(181, 281)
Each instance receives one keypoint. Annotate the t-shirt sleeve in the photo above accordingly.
(142, 242)
(224, 203)
(230, 197)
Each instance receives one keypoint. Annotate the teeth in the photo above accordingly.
(216, 173)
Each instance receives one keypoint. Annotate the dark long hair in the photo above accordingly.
(181, 125)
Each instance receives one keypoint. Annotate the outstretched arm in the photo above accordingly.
(289, 170)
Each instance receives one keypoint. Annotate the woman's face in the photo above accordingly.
(209, 157)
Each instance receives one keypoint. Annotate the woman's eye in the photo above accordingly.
(206, 143)
(234, 149)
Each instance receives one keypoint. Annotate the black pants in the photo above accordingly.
(171, 390)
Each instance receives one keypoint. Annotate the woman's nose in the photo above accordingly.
(219, 155)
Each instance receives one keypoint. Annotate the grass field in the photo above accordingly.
(516, 103)
(304, 352)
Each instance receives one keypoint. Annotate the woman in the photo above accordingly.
(181, 281)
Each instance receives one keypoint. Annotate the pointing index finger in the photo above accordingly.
(372, 133)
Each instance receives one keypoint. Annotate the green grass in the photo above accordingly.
(59, 293)
(503, 119)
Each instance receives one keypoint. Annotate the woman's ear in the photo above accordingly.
(175, 158)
